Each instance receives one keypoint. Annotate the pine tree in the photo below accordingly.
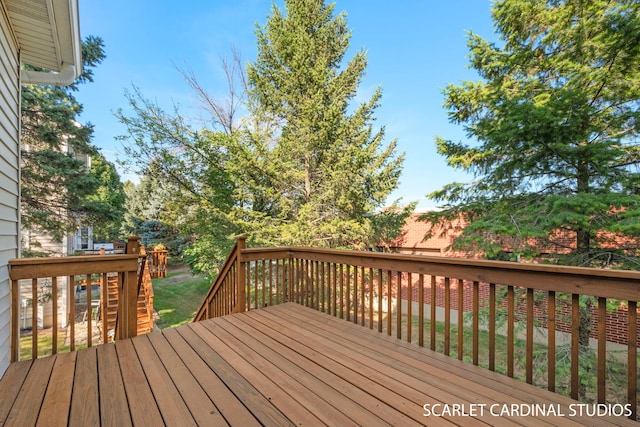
(330, 169)
(304, 167)
(57, 187)
(556, 121)
(556, 118)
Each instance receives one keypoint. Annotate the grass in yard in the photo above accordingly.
(616, 369)
(177, 301)
(45, 339)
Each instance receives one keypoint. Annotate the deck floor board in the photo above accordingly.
(59, 391)
(281, 365)
(441, 383)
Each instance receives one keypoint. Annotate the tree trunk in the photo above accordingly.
(583, 247)
(307, 178)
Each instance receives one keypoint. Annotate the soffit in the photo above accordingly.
(46, 31)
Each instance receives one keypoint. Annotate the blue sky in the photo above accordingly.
(414, 48)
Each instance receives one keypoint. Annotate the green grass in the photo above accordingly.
(177, 302)
(44, 344)
(616, 369)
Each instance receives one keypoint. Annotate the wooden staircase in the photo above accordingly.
(144, 303)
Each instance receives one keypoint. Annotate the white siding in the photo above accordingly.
(9, 177)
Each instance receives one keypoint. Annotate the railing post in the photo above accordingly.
(133, 245)
(240, 272)
(15, 326)
(128, 298)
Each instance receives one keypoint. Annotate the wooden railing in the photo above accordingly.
(157, 262)
(58, 277)
(48, 289)
(225, 296)
(424, 299)
(146, 287)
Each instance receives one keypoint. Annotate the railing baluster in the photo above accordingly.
(421, 310)
(409, 304)
(575, 345)
(389, 303)
(380, 300)
(342, 291)
(295, 275)
(54, 299)
(348, 292)
(447, 315)
(264, 283)
(34, 318)
(71, 307)
(398, 305)
(362, 305)
(602, 348)
(326, 287)
(334, 285)
(271, 282)
(460, 319)
(247, 284)
(632, 358)
(371, 280)
(510, 329)
(278, 282)
(476, 322)
(308, 270)
(319, 286)
(104, 292)
(529, 358)
(432, 319)
(89, 310)
(492, 326)
(355, 294)
(551, 340)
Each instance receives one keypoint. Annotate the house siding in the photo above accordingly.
(9, 177)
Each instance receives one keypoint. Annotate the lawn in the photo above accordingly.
(177, 297)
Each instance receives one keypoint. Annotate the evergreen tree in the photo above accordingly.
(58, 189)
(300, 169)
(106, 204)
(556, 121)
(330, 170)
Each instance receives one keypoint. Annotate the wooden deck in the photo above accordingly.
(281, 365)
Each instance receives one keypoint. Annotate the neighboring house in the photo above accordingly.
(44, 34)
(412, 239)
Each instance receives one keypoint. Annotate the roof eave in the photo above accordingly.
(62, 54)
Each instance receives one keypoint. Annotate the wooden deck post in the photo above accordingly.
(240, 271)
(128, 299)
(15, 326)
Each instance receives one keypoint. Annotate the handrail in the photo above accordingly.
(145, 285)
(383, 290)
(234, 294)
(58, 273)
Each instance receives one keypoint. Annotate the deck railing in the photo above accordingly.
(423, 299)
(47, 290)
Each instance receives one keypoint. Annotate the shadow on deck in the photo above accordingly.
(282, 365)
